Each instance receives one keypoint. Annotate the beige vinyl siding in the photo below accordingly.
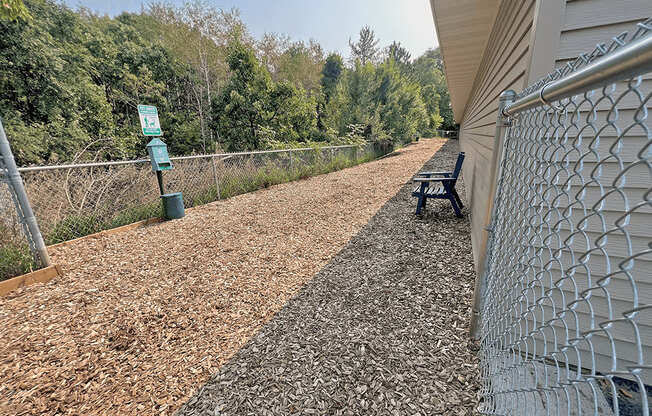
(585, 24)
(503, 67)
(559, 39)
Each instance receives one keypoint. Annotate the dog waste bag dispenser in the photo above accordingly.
(158, 155)
(173, 202)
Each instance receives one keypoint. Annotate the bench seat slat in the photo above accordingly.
(430, 191)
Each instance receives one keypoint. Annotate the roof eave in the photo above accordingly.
(462, 28)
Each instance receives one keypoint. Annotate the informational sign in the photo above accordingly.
(149, 120)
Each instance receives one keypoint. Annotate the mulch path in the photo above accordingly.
(381, 330)
(143, 318)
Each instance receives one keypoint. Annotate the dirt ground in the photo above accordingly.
(142, 319)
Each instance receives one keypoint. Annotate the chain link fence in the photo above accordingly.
(565, 321)
(15, 251)
(72, 201)
(22, 248)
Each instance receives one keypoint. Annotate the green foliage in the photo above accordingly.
(254, 112)
(301, 64)
(429, 73)
(365, 49)
(70, 83)
(241, 108)
(135, 214)
(13, 10)
(331, 73)
(15, 260)
(400, 56)
(382, 99)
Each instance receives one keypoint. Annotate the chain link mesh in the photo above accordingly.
(566, 321)
(71, 202)
(16, 246)
(600, 50)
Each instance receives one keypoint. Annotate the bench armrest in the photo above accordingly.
(433, 179)
(446, 174)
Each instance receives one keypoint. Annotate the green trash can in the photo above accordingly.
(173, 206)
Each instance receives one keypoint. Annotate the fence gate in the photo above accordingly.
(565, 296)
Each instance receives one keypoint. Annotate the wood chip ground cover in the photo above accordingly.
(142, 319)
(381, 330)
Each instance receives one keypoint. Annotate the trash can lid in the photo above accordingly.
(171, 195)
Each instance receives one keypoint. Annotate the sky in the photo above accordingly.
(330, 22)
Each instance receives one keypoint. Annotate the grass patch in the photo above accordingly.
(135, 214)
(82, 225)
(15, 260)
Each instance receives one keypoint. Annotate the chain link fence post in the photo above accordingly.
(217, 183)
(497, 160)
(23, 207)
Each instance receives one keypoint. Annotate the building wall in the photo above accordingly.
(503, 67)
(525, 35)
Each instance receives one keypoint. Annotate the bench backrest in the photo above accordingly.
(458, 165)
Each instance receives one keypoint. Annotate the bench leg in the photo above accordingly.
(458, 212)
(421, 203)
(458, 199)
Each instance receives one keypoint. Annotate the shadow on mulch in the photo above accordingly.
(382, 329)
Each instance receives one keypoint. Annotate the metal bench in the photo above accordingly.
(439, 185)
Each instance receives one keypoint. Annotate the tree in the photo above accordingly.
(366, 48)
(13, 10)
(270, 48)
(399, 54)
(330, 74)
(50, 101)
(199, 33)
(291, 115)
(240, 105)
(403, 113)
(301, 64)
(428, 70)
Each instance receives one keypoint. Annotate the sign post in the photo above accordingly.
(151, 126)
(160, 160)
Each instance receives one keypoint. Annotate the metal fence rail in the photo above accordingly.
(565, 295)
(75, 200)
